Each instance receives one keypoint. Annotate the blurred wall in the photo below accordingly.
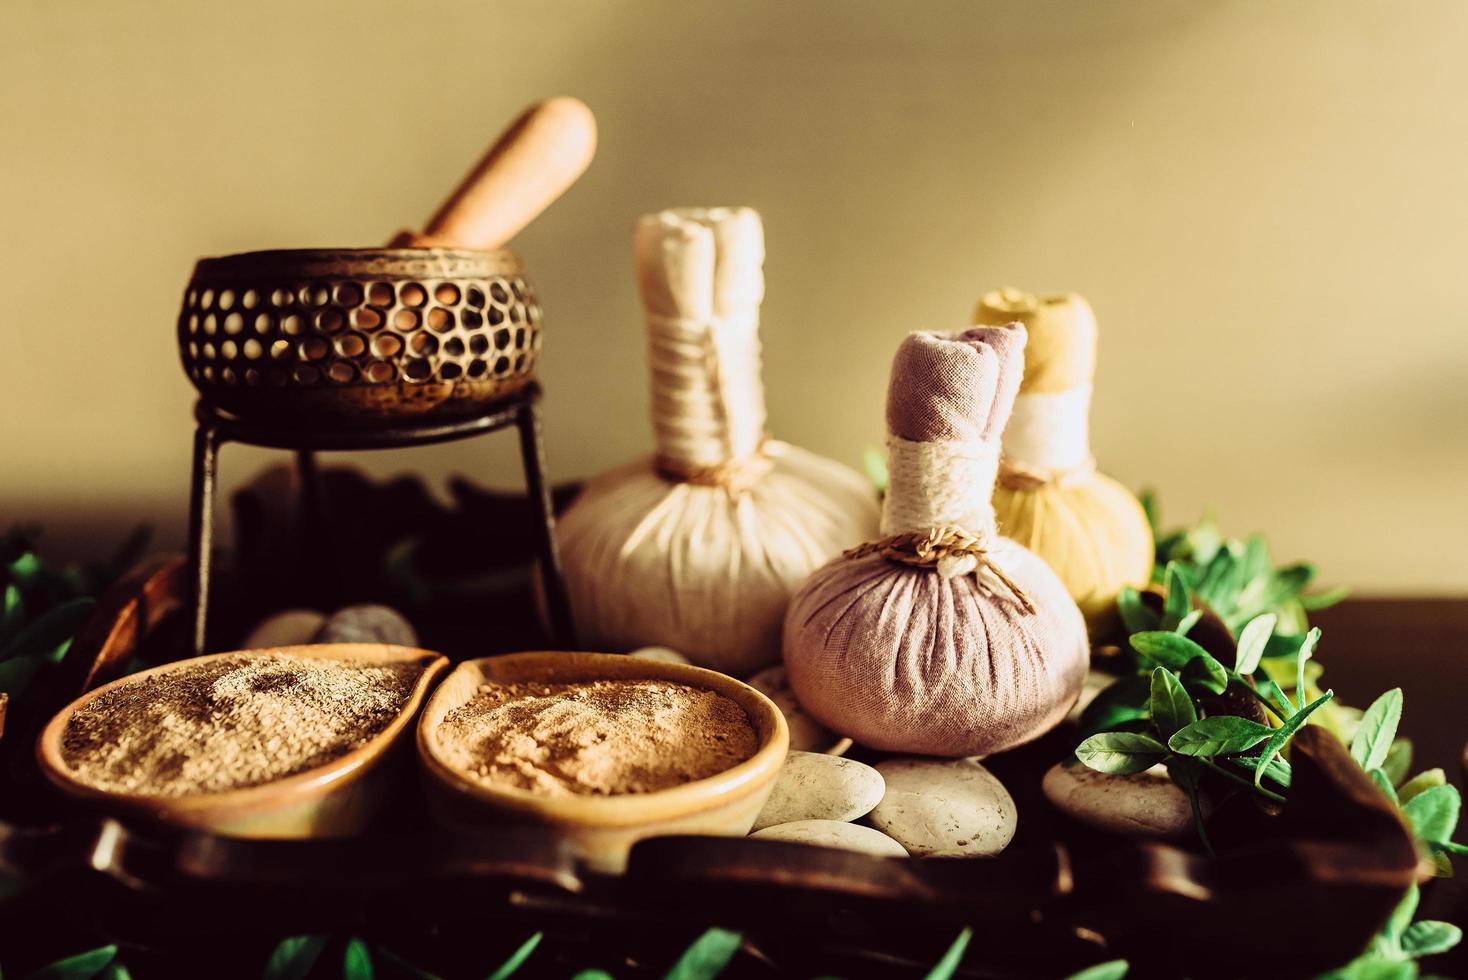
(1265, 203)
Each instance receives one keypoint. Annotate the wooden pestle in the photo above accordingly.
(533, 162)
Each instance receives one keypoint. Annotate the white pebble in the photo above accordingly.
(664, 655)
(285, 629)
(834, 833)
(815, 786)
(806, 734)
(368, 624)
(945, 808)
(1147, 804)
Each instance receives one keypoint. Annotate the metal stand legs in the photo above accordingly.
(215, 428)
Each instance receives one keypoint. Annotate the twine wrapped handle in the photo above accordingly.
(951, 550)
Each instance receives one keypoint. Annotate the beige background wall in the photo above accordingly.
(1265, 202)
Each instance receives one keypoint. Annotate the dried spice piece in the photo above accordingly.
(231, 723)
(603, 738)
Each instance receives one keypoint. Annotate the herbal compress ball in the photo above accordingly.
(699, 547)
(941, 637)
(1049, 496)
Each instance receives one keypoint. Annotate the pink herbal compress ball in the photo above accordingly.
(941, 638)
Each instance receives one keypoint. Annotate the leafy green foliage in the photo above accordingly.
(1237, 579)
(517, 959)
(294, 957)
(82, 966)
(1378, 726)
(948, 965)
(1171, 705)
(1218, 735)
(357, 961)
(1110, 970)
(707, 957)
(1121, 753)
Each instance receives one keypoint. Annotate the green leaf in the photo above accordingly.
(1282, 700)
(25, 569)
(1423, 780)
(1430, 937)
(82, 966)
(1324, 600)
(356, 961)
(517, 959)
(1285, 732)
(1374, 968)
(1184, 772)
(593, 975)
(948, 965)
(1401, 916)
(707, 957)
(1398, 760)
(1373, 738)
(1306, 649)
(1384, 783)
(1188, 622)
(1219, 735)
(1433, 812)
(1179, 599)
(1122, 701)
(1451, 847)
(1166, 648)
(1206, 674)
(1171, 706)
(1110, 970)
(1135, 616)
(1276, 769)
(294, 957)
(1253, 638)
(12, 614)
(49, 631)
(1121, 753)
(114, 971)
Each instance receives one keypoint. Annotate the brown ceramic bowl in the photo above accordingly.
(334, 799)
(351, 336)
(604, 828)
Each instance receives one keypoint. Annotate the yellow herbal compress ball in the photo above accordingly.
(1049, 495)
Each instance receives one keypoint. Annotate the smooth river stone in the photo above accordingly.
(368, 624)
(815, 786)
(945, 808)
(1148, 804)
(285, 629)
(834, 833)
(806, 734)
(664, 655)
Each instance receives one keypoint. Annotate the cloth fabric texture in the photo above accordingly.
(900, 658)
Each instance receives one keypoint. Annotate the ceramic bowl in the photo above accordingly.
(602, 829)
(335, 799)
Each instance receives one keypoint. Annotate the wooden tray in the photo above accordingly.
(1339, 859)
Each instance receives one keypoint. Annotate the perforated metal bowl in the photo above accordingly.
(353, 336)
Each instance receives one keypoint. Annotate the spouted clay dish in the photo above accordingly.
(288, 742)
(530, 738)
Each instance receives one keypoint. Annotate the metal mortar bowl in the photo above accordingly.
(353, 337)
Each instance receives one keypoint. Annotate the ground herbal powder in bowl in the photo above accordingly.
(603, 737)
(604, 749)
(215, 741)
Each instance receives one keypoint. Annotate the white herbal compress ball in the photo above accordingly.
(700, 546)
